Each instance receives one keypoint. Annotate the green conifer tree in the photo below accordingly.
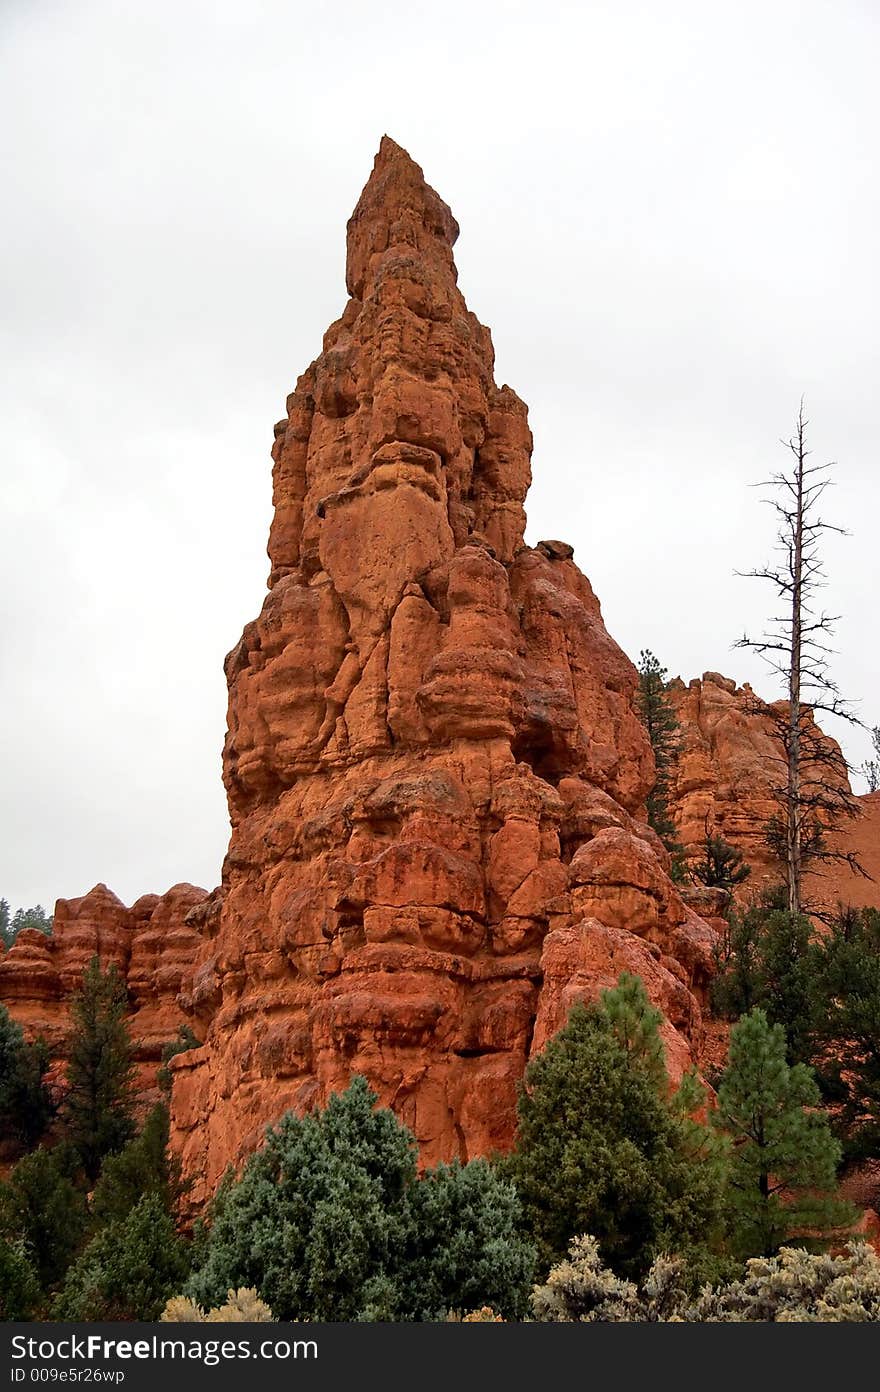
(19, 1287)
(600, 1147)
(43, 1208)
(97, 1107)
(782, 1185)
(12, 925)
(664, 732)
(720, 865)
(182, 1044)
(129, 1270)
(330, 1221)
(768, 958)
(26, 1104)
(143, 1166)
(848, 1029)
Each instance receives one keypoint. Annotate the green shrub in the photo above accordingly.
(795, 1286)
(330, 1222)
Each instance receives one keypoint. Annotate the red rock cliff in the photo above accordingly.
(729, 763)
(435, 775)
(151, 945)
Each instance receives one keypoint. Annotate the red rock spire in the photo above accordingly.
(397, 208)
(430, 734)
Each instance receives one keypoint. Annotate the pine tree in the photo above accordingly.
(22, 918)
(721, 865)
(848, 1028)
(601, 1149)
(19, 1287)
(41, 1206)
(768, 958)
(143, 1166)
(97, 1107)
(664, 732)
(128, 1271)
(636, 1023)
(782, 1184)
(26, 1105)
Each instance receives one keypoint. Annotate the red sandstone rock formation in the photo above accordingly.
(729, 763)
(435, 774)
(151, 945)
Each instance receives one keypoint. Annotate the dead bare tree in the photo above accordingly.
(813, 790)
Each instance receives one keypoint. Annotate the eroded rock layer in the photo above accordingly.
(727, 773)
(435, 773)
(151, 945)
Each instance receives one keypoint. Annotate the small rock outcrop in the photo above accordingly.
(435, 772)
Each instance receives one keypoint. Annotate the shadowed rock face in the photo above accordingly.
(435, 774)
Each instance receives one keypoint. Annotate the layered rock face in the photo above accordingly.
(435, 773)
(151, 945)
(727, 769)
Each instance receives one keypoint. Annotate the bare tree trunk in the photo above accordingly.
(813, 796)
(793, 798)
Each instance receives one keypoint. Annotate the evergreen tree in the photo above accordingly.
(97, 1107)
(664, 732)
(42, 1207)
(22, 918)
(601, 1149)
(782, 1185)
(128, 1271)
(848, 1028)
(329, 1221)
(185, 1041)
(26, 1105)
(143, 1166)
(768, 958)
(720, 866)
(19, 1288)
(635, 1023)
(465, 1247)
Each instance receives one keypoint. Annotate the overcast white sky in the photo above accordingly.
(669, 219)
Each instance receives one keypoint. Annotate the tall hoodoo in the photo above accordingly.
(435, 774)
